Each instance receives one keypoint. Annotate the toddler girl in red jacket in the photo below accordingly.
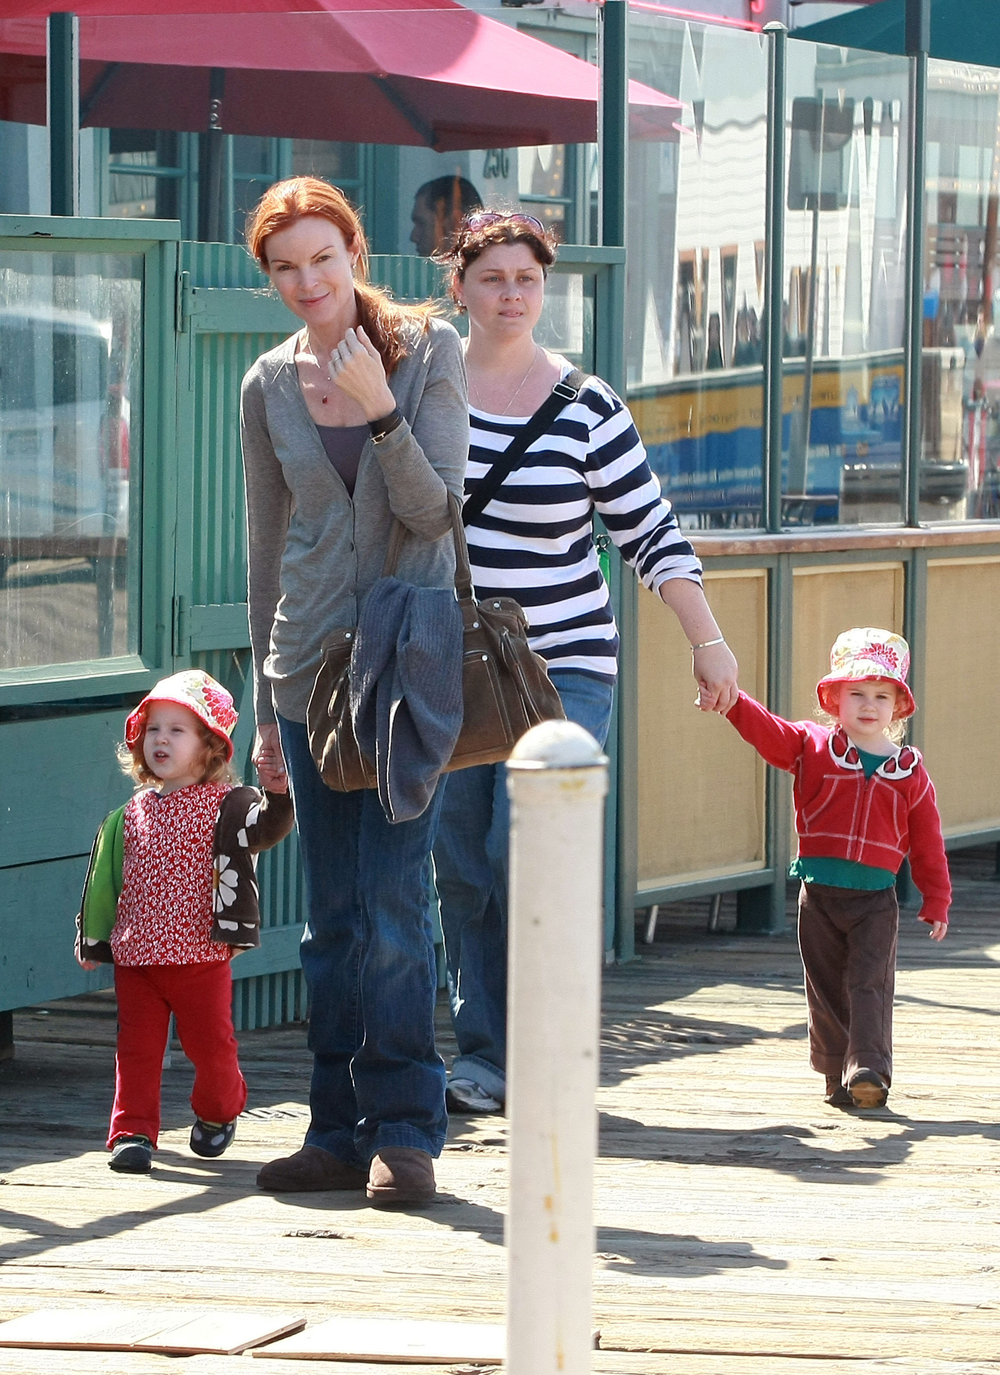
(170, 895)
(863, 802)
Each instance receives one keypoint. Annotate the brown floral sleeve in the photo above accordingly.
(249, 821)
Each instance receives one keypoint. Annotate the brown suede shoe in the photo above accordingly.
(837, 1094)
(868, 1089)
(400, 1175)
(309, 1170)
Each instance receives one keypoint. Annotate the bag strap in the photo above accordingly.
(565, 391)
(463, 569)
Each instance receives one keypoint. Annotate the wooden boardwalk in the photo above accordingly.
(744, 1228)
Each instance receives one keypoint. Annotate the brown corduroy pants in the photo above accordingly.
(847, 938)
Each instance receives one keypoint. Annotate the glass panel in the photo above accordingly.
(254, 169)
(960, 423)
(70, 388)
(543, 176)
(695, 265)
(567, 321)
(337, 162)
(152, 189)
(844, 290)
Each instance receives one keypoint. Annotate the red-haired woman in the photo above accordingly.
(534, 541)
(359, 417)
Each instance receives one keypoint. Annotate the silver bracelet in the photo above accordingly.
(707, 644)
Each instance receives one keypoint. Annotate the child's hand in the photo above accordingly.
(87, 964)
(939, 930)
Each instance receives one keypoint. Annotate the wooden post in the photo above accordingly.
(557, 780)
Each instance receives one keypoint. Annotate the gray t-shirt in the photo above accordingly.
(344, 445)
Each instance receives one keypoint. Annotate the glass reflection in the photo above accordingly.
(695, 268)
(845, 251)
(70, 338)
(960, 421)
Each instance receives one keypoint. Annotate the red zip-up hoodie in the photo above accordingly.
(839, 814)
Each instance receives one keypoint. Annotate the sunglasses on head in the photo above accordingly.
(482, 219)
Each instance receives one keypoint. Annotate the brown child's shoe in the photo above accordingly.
(400, 1175)
(868, 1089)
(309, 1170)
(837, 1095)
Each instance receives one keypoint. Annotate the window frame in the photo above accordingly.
(150, 567)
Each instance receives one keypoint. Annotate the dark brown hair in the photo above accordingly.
(382, 318)
(216, 768)
(471, 242)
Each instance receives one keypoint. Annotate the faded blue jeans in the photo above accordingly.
(471, 862)
(369, 964)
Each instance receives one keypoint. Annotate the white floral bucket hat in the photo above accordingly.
(197, 691)
(864, 655)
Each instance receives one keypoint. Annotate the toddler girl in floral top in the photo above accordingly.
(170, 896)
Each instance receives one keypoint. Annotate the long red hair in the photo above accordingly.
(384, 320)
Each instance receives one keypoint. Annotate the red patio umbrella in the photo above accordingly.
(433, 73)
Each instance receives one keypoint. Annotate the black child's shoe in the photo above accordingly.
(837, 1094)
(132, 1155)
(211, 1138)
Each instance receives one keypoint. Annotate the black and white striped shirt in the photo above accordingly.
(534, 541)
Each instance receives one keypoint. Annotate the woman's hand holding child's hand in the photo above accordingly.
(715, 672)
(939, 930)
(268, 759)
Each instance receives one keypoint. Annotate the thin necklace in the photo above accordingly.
(534, 360)
(315, 357)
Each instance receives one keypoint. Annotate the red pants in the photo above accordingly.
(200, 997)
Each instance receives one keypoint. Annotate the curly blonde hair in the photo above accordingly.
(216, 768)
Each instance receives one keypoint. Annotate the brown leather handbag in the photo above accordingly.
(506, 688)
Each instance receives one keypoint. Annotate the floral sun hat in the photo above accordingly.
(863, 655)
(197, 691)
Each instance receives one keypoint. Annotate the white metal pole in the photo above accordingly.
(557, 778)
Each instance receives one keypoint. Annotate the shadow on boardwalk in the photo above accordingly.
(737, 1215)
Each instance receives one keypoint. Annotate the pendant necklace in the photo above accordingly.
(517, 390)
(315, 357)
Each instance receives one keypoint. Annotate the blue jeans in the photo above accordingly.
(368, 959)
(471, 861)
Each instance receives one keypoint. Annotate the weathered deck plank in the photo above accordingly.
(743, 1226)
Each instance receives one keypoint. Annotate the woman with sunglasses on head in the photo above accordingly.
(357, 420)
(533, 541)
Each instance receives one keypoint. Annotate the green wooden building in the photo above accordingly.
(843, 469)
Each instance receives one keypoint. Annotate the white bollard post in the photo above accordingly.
(557, 779)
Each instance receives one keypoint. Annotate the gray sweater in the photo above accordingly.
(314, 553)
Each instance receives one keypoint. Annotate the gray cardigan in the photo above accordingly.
(314, 553)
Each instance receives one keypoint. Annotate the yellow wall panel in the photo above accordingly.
(962, 690)
(830, 599)
(701, 789)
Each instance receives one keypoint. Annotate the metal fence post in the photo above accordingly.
(613, 129)
(774, 235)
(557, 780)
(918, 39)
(63, 84)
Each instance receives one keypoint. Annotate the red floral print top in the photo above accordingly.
(165, 907)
